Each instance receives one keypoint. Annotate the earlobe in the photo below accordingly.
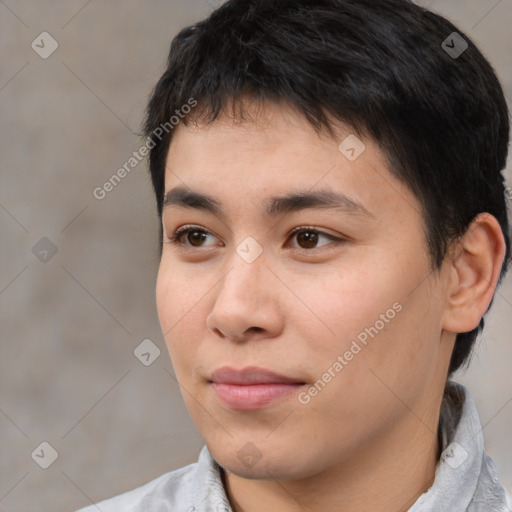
(475, 263)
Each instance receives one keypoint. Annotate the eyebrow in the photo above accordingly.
(275, 206)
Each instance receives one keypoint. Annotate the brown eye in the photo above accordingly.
(194, 237)
(308, 238)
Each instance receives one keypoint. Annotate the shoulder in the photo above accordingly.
(170, 491)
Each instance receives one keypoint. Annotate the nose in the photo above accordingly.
(246, 304)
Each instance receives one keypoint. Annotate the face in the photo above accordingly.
(334, 294)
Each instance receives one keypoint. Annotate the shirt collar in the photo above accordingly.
(466, 479)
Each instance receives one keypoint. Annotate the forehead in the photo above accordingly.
(275, 151)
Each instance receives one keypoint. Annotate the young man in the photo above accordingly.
(334, 226)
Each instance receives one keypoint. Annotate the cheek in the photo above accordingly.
(371, 314)
(341, 309)
(168, 307)
(382, 357)
(179, 309)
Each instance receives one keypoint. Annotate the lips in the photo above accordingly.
(251, 387)
(250, 375)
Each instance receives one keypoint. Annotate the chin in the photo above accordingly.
(269, 463)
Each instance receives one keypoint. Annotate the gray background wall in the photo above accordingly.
(69, 325)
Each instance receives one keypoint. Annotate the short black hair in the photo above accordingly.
(383, 67)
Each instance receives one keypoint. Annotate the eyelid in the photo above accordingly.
(313, 228)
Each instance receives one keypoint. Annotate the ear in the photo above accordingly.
(475, 263)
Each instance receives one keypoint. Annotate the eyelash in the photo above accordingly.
(179, 233)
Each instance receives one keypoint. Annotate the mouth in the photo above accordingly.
(251, 387)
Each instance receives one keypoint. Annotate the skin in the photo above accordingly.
(368, 440)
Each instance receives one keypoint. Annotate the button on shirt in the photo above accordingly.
(465, 478)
